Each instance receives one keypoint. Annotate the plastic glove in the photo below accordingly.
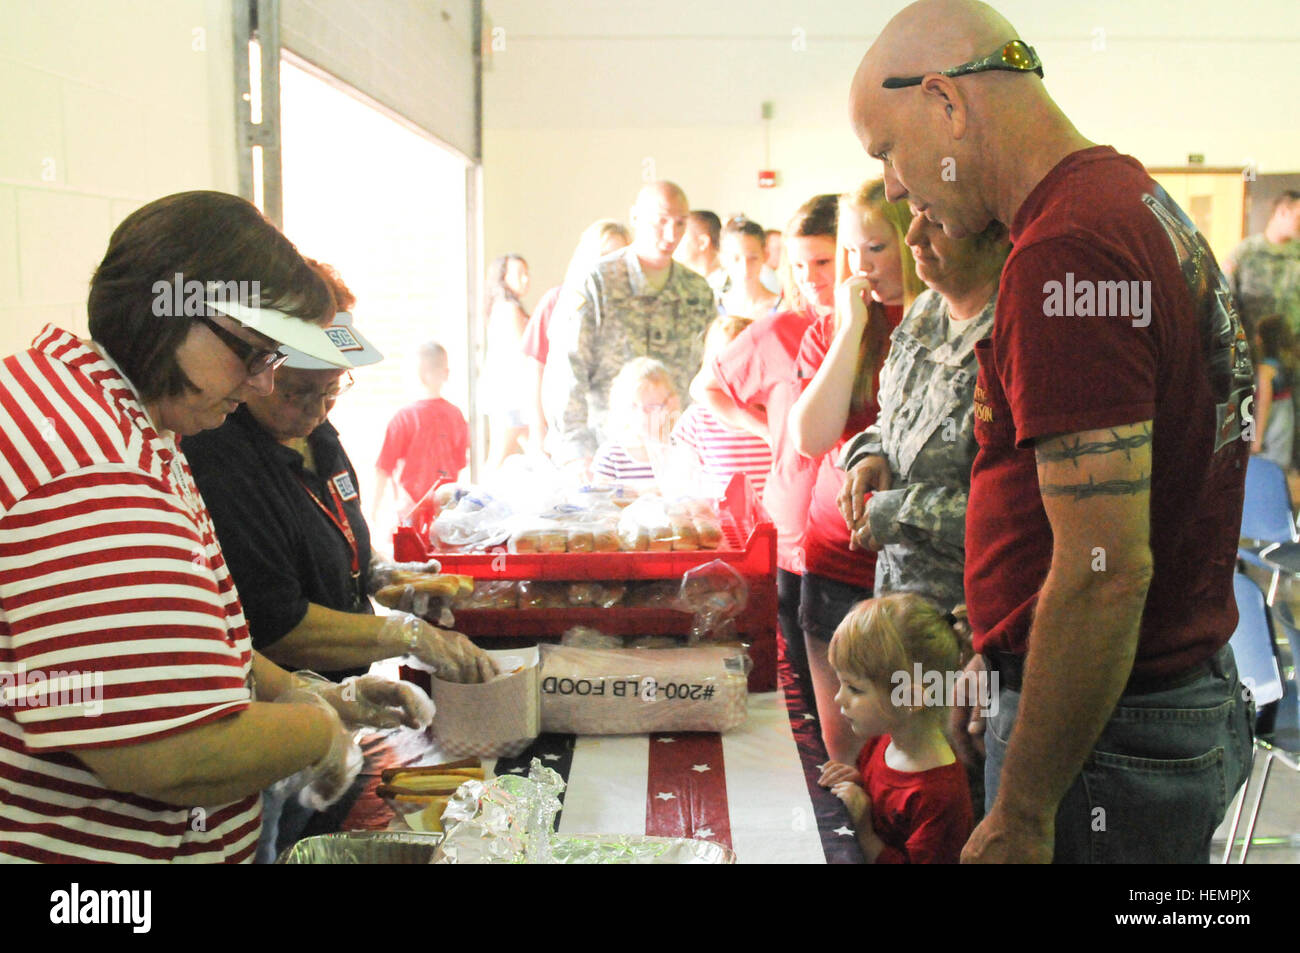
(383, 572)
(369, 701)
(425, 605)
(449, 655)
(321, 784)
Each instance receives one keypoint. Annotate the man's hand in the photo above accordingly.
(866, 477)
(999, 839)
(966, 722)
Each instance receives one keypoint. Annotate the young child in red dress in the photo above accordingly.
(908, 795)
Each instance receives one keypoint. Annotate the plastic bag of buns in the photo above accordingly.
(701, 515)
(543, 595)
(489, 594)
(596, 595)
(646, 526)
(715, 594)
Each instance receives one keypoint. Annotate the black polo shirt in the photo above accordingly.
(282, 549)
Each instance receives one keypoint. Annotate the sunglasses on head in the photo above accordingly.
(257, 360)
(1015, 57)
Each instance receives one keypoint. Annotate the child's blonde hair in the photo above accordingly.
(628, 382)
(890, 634)
(724, 329)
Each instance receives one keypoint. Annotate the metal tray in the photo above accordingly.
(363, 847)
(397, 847)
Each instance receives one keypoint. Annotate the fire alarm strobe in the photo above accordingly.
(766, 178)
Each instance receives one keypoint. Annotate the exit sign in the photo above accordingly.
(767, 178)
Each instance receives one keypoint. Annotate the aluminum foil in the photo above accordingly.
(510, 819)
(506, 820)
(363, 847)
(637, 849)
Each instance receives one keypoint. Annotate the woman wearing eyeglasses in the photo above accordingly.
(134, 715)
(283, 495)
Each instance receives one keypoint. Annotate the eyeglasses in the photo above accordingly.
(1016, 57)
(310, 398)
(257, 360)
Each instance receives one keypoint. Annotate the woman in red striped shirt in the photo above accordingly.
(134, 723)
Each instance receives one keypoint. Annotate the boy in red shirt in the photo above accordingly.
(426, 443)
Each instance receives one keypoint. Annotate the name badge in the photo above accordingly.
(343, 483)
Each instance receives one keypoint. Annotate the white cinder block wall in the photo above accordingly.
(584, 91)
(103, 107)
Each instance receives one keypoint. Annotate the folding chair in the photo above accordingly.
(1252, 645)
(1267, 523)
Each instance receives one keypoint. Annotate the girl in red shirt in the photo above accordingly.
(752, 385)
(838, 365)
(908, 796)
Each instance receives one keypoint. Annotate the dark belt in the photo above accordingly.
(1011, 671)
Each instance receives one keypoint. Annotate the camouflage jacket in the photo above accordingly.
(604, 319)
(926, 430)
(1265, 280)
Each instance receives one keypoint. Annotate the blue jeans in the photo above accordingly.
(1160, 778)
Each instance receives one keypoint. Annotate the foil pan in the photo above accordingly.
(363, 847)
(632, 849)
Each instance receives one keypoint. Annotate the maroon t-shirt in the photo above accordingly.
(924, 817)
(1063, 359)
(826, 535)
(757, 369)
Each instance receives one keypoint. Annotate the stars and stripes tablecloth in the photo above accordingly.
(752, 789)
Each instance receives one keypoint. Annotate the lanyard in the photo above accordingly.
(339, 518)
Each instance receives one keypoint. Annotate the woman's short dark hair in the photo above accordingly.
(202, 237)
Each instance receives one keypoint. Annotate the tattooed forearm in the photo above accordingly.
(1082, 491)
(1073, 451)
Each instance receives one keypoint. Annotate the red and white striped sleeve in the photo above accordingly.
(107, 586)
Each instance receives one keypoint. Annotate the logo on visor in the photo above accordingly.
(343, 339)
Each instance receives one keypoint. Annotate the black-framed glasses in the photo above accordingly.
(257, 360)
(1016, 57)
(310, 398)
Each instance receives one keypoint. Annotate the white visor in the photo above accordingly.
(294, 334)
(356, 349)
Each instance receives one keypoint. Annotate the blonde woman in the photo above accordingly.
(839, 361)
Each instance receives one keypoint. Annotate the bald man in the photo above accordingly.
(1106, 498)
(634, 303)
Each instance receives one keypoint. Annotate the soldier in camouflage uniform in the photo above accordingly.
(634, 303)
(1264, 272)
(925, 432)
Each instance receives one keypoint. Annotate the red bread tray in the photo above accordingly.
(748, 546)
